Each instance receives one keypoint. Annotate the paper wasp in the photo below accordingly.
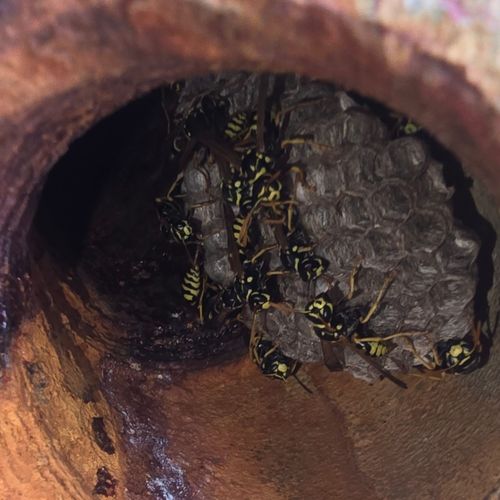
(343, 325)
(173, 220)
(455, 355)
(271, 360)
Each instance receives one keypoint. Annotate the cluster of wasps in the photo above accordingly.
(252, 157)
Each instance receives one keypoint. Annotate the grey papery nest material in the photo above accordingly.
(366, 198)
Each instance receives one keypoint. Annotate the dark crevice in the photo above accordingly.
(96, 227)
(465, 210)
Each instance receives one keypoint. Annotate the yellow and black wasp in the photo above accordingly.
(298, 256)
(241, 127)
(209, 114)
(247, 283)
(271, 360)
(344, 325)
(192, 285)
(251, 240)
(458, 355)
(173, 220)
(455, 355)
(200, 291)
(403, 126)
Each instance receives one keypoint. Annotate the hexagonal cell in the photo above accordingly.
(457, 326)
(388, 319)
(320, 220)
(458, 253)
(219, 269)
(431, 186)
(324, 179)
(453, 295)
(358, 166)
(425, 231)
(393, 201)
(343, 250)
(408, 158)
(359, 127)
(382, 248)
(354, 212)
(418, 273)
(415, 316)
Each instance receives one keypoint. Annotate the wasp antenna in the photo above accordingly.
(377, 367)
(304, 386)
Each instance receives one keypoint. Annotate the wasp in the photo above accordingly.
(173, 222)
(241, 126)
(255, 165)
(200, 291)
(271, 360)
(251, 287)
(408, 127)
(192, 284)
(208, 114)
(403, 126)
(240, 194)
(298, 256)
(248, 282)
(455, 355)
(232, 299)
(458, 355)
(374, 348)
(251, 279)
(343, 325)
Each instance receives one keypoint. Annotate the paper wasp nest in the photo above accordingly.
(366, 198)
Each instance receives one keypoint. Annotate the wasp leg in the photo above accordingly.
(274, 222)
(373, 308)
(299, 178)
(283, 307)
(203, 203)
(375, 365)
(243, 237)
(200, 302)
(263, 251)
(286, 111)
(352, 280)
(178, 179)
(305, 140)
(278, 273)
(278, 203)
(253, 338)
(429, 365)
(389, 337)
(294, 375)
(476, 335)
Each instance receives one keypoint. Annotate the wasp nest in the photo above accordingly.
(367, 196)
